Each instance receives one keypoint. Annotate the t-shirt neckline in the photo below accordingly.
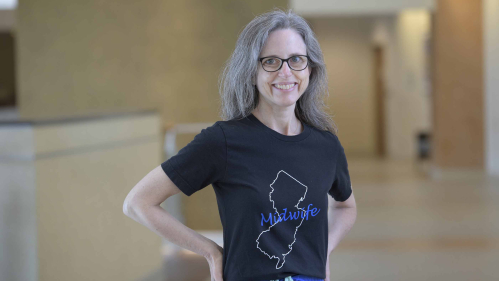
(306, 130)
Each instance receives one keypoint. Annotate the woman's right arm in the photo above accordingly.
(142, 204)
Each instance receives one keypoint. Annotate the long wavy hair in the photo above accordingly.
(238, 93)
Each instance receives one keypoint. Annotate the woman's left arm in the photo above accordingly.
(341, 217)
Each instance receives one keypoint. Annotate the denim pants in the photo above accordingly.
(299, 278)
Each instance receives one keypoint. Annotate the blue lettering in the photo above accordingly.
(284, 214)
(281, 216)
(308, 210)
(291, 216)
(269, 220)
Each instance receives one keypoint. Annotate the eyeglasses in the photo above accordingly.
(272, 64)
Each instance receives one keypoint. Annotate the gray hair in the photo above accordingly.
(238, 93)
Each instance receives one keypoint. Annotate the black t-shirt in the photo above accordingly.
(271, 191)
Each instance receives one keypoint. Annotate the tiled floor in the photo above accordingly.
(409, 227)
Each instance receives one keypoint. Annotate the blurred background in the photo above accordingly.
(94, 94)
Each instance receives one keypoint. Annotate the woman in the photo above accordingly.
(272, 163)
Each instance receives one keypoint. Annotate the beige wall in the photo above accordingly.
(366, 7)
(491, 60)
(83, 177)
(7, 20)
(80, 57)
(458, 85)
(404, 38)
(346, 44)
(62, 187)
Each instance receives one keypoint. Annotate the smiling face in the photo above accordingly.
(284, 87)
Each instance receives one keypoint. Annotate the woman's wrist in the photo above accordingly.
(213, 251)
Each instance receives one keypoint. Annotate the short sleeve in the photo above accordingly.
(342, 187)
(200, 163)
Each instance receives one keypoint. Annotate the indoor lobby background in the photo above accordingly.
(95, 94)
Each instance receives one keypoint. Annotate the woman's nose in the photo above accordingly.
(285, 70)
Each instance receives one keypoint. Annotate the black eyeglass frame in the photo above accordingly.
(284, 61)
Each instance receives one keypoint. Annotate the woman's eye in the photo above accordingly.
(270, 61)
(295, 59)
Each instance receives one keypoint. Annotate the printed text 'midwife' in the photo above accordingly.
(284, 216)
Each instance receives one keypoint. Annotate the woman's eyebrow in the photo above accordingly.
(268, 56)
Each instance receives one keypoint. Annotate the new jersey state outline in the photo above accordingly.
(286, 194)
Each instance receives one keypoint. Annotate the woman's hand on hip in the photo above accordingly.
(327, 269)
(215, 260)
